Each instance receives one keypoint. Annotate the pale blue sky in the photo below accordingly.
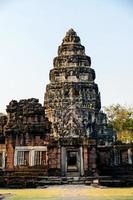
(31, 31)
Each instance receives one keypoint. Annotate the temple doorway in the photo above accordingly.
(72, 161)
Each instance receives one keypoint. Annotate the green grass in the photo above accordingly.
(68, 192)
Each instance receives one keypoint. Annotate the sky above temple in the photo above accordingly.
(32, 30)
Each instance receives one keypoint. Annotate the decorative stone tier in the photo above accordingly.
(66, 49)
(72, 61)
(75, 74)
(62, 95)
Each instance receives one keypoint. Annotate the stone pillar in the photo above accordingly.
(63, 161)
(129, 153)
(81, 162)
(59, 158)
(10, 153)
(85, 157)
(15, 157)
(3, 158)
(32, 157)
(92, 161)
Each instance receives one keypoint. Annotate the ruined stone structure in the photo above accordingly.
(26, 134)
(69, 135)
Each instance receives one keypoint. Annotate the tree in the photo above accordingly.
(121, 119)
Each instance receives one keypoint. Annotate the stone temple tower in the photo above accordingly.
(72, 99)
(72, 105)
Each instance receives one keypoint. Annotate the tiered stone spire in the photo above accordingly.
(71, 52)
(72, 98)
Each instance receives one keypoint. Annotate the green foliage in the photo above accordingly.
(121, 119)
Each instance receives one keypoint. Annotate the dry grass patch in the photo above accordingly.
(68, 192)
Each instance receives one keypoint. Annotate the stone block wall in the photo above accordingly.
(54, 164)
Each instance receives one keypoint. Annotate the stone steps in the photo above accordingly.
(43, 181)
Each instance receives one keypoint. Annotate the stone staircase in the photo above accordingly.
(44, 181)
(39, 178)
(72, 174)
(60, 180)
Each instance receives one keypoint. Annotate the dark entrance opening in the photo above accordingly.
(72, 161)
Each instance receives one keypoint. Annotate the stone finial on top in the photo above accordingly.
(71, 37)
(71, 32)
(71, 52)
